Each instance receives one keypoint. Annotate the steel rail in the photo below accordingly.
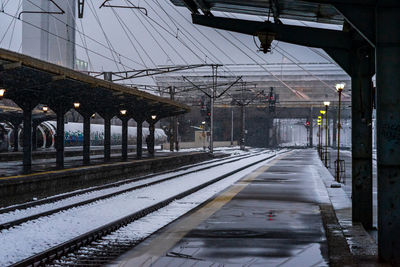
(10, 224)
(56, 252)
(100, 187)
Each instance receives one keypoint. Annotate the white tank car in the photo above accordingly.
(74, 135)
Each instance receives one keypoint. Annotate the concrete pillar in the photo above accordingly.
(15, 136)
(125, 138)
(27, 140)
(139, 139)
(60, 142)
(361, 134)
(86, 138)
(107, 138)
(388, 127)
(150, 145)
(34, 136)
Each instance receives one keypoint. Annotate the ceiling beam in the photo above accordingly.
(306, 36)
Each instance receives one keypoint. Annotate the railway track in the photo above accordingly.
(94, 188)
(131, 186)
(84, 239)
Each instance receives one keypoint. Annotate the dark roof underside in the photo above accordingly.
(288, 9)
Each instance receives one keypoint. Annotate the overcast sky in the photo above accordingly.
(165, 36)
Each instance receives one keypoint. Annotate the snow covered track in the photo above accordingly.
(112, 219)
(135, 186)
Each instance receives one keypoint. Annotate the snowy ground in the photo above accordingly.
(35, 236)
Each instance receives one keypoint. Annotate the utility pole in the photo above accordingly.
(213, 90)
(232, 126)
(173, 139)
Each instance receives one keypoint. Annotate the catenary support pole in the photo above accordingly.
(231, 126)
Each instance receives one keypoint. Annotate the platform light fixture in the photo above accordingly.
(327, 103)
(203, 122)
(340, 86)
(2, 92)
(123, 111)
(153, 117)
(45, 109)
(77, 105)
(93, 115)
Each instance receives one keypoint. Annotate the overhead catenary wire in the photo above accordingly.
(111, 48)
(197, 29)
(87, 36)
(11, 22)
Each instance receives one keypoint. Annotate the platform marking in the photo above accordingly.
(146, 255)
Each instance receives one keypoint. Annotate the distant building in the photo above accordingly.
(50, 37)
(81, 65)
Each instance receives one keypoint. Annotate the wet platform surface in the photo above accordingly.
(275, 220)
(346, 156)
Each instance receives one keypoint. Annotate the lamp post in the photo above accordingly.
(319, 135)
(322, 112)
(339, 88)
(326, 104)
(204, 134)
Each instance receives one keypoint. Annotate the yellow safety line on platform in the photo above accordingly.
(147, 254)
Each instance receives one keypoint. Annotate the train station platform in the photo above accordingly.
(45, 160)
(286, 213)
(48, 153)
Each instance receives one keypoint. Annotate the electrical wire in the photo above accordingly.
(111, 48)
(87, 36)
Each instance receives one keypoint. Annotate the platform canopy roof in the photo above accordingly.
(287, 9)
(29, 79)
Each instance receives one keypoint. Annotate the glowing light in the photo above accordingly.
(327, 103)
(340, 86)
(123, 111)
(45, 109)
(77, 105)
(153, 117)
(2, 91)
